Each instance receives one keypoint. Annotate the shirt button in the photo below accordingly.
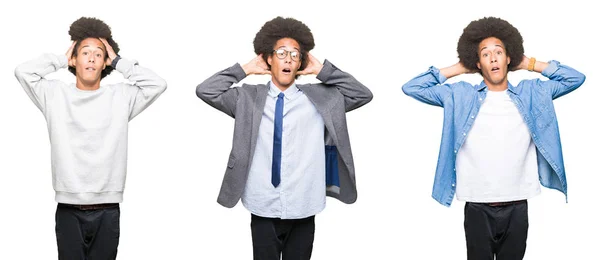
(472, 117)
(454, 151)
(464, 134)
(480, 99)
(454, 169)
(453, 185)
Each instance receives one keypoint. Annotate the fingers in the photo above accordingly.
(109, 50)
(260, 61)
(314, 66)
(69, 54)
(105, 43)
(302, 72)
(256, 66)
(260, 65)
(313, 59)
(524, 63)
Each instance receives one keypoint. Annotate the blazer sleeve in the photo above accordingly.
(355, 93)
(217, 91)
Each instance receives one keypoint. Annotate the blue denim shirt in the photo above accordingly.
(461, 102)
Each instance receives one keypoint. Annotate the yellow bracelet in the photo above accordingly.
(531, 64)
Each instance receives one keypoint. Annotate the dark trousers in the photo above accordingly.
(499, 230)
(87, 232)
(274, 237)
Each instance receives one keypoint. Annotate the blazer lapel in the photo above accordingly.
(319, 99)
(259, 107)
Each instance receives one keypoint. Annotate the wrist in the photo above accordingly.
(115, 61)
(531, 65)
(245, 69)
(318, 70)
(459, 69)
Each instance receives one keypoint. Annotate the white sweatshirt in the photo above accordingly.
(88, 129)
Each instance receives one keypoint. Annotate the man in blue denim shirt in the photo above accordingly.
(499, 141)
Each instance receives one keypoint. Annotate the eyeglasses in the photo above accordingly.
(282, 53)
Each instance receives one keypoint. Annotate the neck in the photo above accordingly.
(496, 87)
(80, 84)
(280, 86)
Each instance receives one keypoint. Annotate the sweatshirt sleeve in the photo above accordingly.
(31, 76)
(146, 87)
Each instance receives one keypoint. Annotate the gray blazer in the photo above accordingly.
(338, 93)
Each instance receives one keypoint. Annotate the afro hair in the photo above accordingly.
(87, 27)
(279, 28)
(478, 30)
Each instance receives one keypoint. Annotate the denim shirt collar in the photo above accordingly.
(482, 86)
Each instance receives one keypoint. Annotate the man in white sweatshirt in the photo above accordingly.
(87, 123)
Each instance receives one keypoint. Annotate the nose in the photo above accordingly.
(288, 58)
(92, 59)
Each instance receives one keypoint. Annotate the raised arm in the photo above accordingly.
(355, 93)
(563, 79)
(147, 86)
(31, 75)
(217, 91)
(428, 87)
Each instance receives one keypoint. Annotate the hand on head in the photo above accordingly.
(523, 63)
(256, 66)
(109, 51)
(314, 66)
(69, 54)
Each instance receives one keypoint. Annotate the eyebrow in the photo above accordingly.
(286, 46)
(497, 45)
(90, 47)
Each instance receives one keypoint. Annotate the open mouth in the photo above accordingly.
(90, 69)
(286, 71)
(495, 69)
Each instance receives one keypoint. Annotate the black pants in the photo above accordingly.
(87, 234)
(274, 237)
(496, 230)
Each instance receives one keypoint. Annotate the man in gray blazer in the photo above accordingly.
(291, 147)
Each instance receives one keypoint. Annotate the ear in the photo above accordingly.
(269, 59)
(478, 65)
(508, 60)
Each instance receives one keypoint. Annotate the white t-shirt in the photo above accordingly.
(498, 160)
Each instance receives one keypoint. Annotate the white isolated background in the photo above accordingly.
(178, 147)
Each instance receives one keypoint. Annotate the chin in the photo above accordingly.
(91, 79)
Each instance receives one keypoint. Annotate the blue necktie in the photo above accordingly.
(278, 124)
